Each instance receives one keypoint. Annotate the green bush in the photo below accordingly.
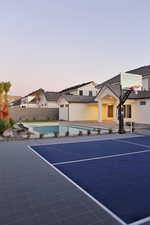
(4, 125)
(41, 135)
(98, 131)
(80, 133)
(56, 134)
(11, 122)
(88, 132)
(67, 134)
(110, 130)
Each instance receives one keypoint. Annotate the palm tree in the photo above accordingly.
(1, 92)
(7, 86)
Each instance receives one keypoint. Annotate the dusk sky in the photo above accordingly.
(53, 44)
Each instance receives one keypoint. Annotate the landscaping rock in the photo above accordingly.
(8, 133)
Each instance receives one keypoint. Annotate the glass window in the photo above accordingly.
(67, 105)
(110, 111)
(127, 111)
(81, 92)
(61, 106)
(90, 93)
(143, 103)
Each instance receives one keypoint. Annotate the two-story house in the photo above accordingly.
(78, 102)
(137, 106)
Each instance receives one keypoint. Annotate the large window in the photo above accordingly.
(127, 111)
(81, 92)
(90, 93)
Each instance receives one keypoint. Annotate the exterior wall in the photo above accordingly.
(34, 114)
(145, 83)
(106, 98)
(83, 112)
(141, 113)
(85, 89)
(52, 104)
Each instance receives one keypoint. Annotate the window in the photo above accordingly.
(61, 106)
(110, 111)
(143, 103)
(81, 92)
(90, 93)
(67, 105)
(127, 111)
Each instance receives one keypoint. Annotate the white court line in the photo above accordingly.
(83, 139)
(140, 222)
(129, 142)
(81, 189)
(102, 157)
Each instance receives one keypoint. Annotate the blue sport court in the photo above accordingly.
(114, 172)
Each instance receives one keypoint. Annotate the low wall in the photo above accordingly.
(34, 113)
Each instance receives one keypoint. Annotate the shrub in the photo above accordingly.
(11, 122)
(56, 134)
(41, 135)
(4, 125)
(98, 131)
(67, 133)
(80, 133)
(88, 132)
(110, 131)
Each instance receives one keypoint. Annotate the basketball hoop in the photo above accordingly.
(135, 88)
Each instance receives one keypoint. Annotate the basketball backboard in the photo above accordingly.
(131, 81)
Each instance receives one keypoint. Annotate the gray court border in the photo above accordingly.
(139, 222)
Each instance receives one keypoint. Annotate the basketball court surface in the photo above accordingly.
(113, 173)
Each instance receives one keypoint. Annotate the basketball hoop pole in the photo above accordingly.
(121, 113)
(122, 100)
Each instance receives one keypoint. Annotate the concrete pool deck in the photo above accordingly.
(33, 193)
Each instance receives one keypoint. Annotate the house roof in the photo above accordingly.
(79, 99)
(75, 87)
(40, 90)
(115, 88)
(52, 96)
(144, 71)
(13, 98)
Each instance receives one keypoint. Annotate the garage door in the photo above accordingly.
(64, 112)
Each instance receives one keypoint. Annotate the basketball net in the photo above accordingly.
(135, 88)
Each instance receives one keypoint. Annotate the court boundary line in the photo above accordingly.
(133, 143)
(84, 139)
(99, 158)
(140, 222)
(80, 188)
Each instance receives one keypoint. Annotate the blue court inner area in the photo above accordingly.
(115, 172)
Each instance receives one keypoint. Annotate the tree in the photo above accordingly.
(7, 86)
(1, 92)
(4, 89)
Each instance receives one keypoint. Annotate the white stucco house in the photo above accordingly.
(78, 102)
(84, 89)
(103, 106)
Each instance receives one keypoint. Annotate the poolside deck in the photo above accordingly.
(33, 193)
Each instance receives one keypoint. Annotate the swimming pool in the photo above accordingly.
(61, 129)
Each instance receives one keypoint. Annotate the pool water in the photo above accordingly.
(50, 130)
